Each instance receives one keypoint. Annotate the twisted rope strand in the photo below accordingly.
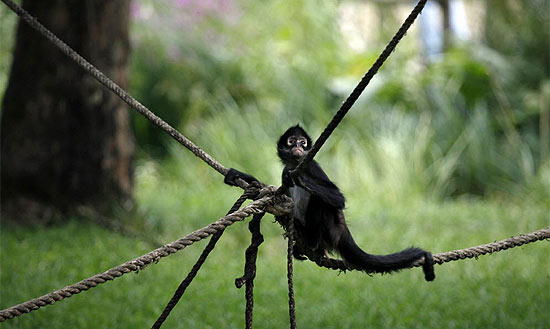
(249, 192)
(445, 257)
(139, 263)
(474, 252)
(348, 103)
(115, 88)
(290, 273)
(249, 275)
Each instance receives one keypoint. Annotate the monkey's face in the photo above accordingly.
(293, 145)
(298, 145)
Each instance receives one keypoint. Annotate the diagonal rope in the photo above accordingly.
(270, 203)
(115, 88)
(250, 192)
(348, 103)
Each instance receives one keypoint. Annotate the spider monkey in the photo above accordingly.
(318, 212)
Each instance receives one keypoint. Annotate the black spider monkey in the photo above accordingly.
(318, 205)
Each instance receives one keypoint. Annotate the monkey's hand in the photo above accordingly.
(234, 174)
(298, 254)
(428, 267)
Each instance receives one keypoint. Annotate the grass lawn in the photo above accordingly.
(510, 289)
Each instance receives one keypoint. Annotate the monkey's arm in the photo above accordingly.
(317, 182)
(233, 174)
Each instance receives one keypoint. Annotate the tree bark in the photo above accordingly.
(444, 4)
(65, 139)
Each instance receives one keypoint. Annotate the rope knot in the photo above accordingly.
(278, 204)
(253, 190)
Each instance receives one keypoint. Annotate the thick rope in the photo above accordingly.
(290, 270)
(473, 252)
(115, 88)
(249, 275)
(250, 192)
(268, 203)
(348, 103)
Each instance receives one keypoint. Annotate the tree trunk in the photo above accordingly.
(446, 24)
(65, 139)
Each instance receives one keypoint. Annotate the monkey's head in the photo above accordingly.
(293, 145)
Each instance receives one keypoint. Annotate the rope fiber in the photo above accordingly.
(140, 263)
(473, 252)
(251, 192)
(249, 275)
(290, 274)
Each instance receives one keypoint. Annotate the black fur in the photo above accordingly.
(318, 209)
(233, 174)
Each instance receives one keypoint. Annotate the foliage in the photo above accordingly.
(475, 122)
(7, 34)
(242, 54)
(456, 126)
(521, 30)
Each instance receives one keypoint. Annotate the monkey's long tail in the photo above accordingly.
(354, 255)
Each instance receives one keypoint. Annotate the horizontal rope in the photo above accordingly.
(489, 248)
(135, 265)
(473, 252)
(272, 204)
(115, 88)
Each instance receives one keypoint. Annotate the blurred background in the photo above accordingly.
(448, 147)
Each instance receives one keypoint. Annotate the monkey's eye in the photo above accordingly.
(290, 141)
(303, 142)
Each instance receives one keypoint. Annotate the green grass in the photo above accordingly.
(510, 289)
